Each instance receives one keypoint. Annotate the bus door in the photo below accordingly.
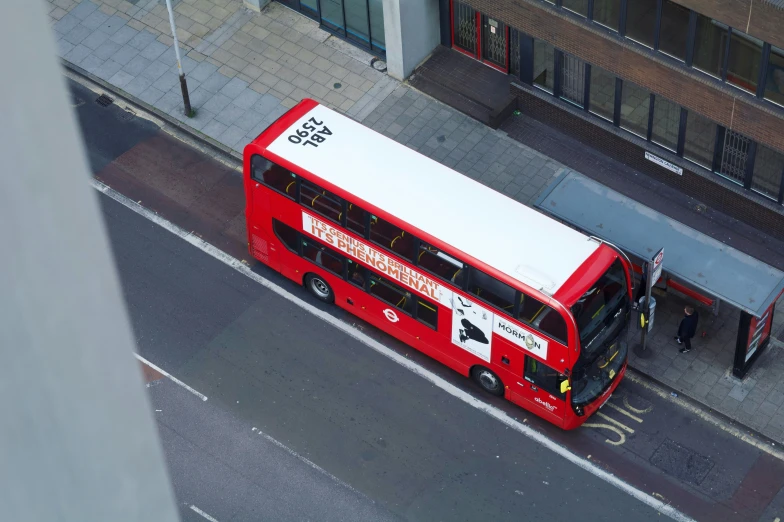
(538, 388)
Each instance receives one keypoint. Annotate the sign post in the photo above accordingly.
(654, 270)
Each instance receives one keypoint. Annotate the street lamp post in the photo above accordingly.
(183, 85)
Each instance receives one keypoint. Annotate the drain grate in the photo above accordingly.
(680, 462)
(104, 101)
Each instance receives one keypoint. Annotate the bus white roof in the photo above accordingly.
(494, 229)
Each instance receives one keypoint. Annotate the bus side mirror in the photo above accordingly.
(565, 386)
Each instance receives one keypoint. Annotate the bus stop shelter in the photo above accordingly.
(694, 263)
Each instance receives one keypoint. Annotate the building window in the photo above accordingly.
(743, 66)
(607, 13)
(709, 46)
(774, 87)
(363, 22)
(700, 140)
(602, 101)
(666, 123)
(514, 52)
(377, 24)
(357, 22)
(768, 169)
(577, 6)
(641, 21)
(544, 68)
(734, 157)
(573, 79)
(635, 104)
(332, 14)
(674, 30)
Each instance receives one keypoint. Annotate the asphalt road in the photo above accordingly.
(390, 444)
(265, 363)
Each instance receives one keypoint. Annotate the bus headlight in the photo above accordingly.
(579, 411)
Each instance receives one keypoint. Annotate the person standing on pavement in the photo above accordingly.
(687, 329)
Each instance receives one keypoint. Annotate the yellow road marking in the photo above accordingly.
(618, 408)
(621, 436)
(619, 424)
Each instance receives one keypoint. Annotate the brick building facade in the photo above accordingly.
(698, 83)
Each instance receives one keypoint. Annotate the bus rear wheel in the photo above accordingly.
(319, 288)
(487, 380)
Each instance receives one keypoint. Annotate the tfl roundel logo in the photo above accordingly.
(391, 315)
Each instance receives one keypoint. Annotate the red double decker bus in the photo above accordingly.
(528, 307)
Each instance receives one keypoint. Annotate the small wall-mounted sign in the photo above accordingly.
(664, 163)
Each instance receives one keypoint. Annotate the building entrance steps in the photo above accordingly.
(467, 85)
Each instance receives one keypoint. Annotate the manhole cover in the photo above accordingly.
(680, 462)
(337, 85)
(379, 65)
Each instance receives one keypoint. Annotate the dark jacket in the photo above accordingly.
(688, 327)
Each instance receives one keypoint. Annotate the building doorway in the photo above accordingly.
(480, 36)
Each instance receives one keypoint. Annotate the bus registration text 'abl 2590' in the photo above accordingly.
(310, 133)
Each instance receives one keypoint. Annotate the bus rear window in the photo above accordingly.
(274, 176)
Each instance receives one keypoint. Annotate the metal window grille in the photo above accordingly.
(734, 156)
(494, 42)
(514, 52)
(465, 27)
(573, 79)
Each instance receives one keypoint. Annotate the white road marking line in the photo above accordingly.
(310, 463)
(172, 377)
(492, 411)
(202, 513)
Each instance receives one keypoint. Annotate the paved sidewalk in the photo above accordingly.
(704, 374)
(248, 68)
(245, 69)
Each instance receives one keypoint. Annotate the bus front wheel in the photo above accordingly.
(487, 380)
(320, 288)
